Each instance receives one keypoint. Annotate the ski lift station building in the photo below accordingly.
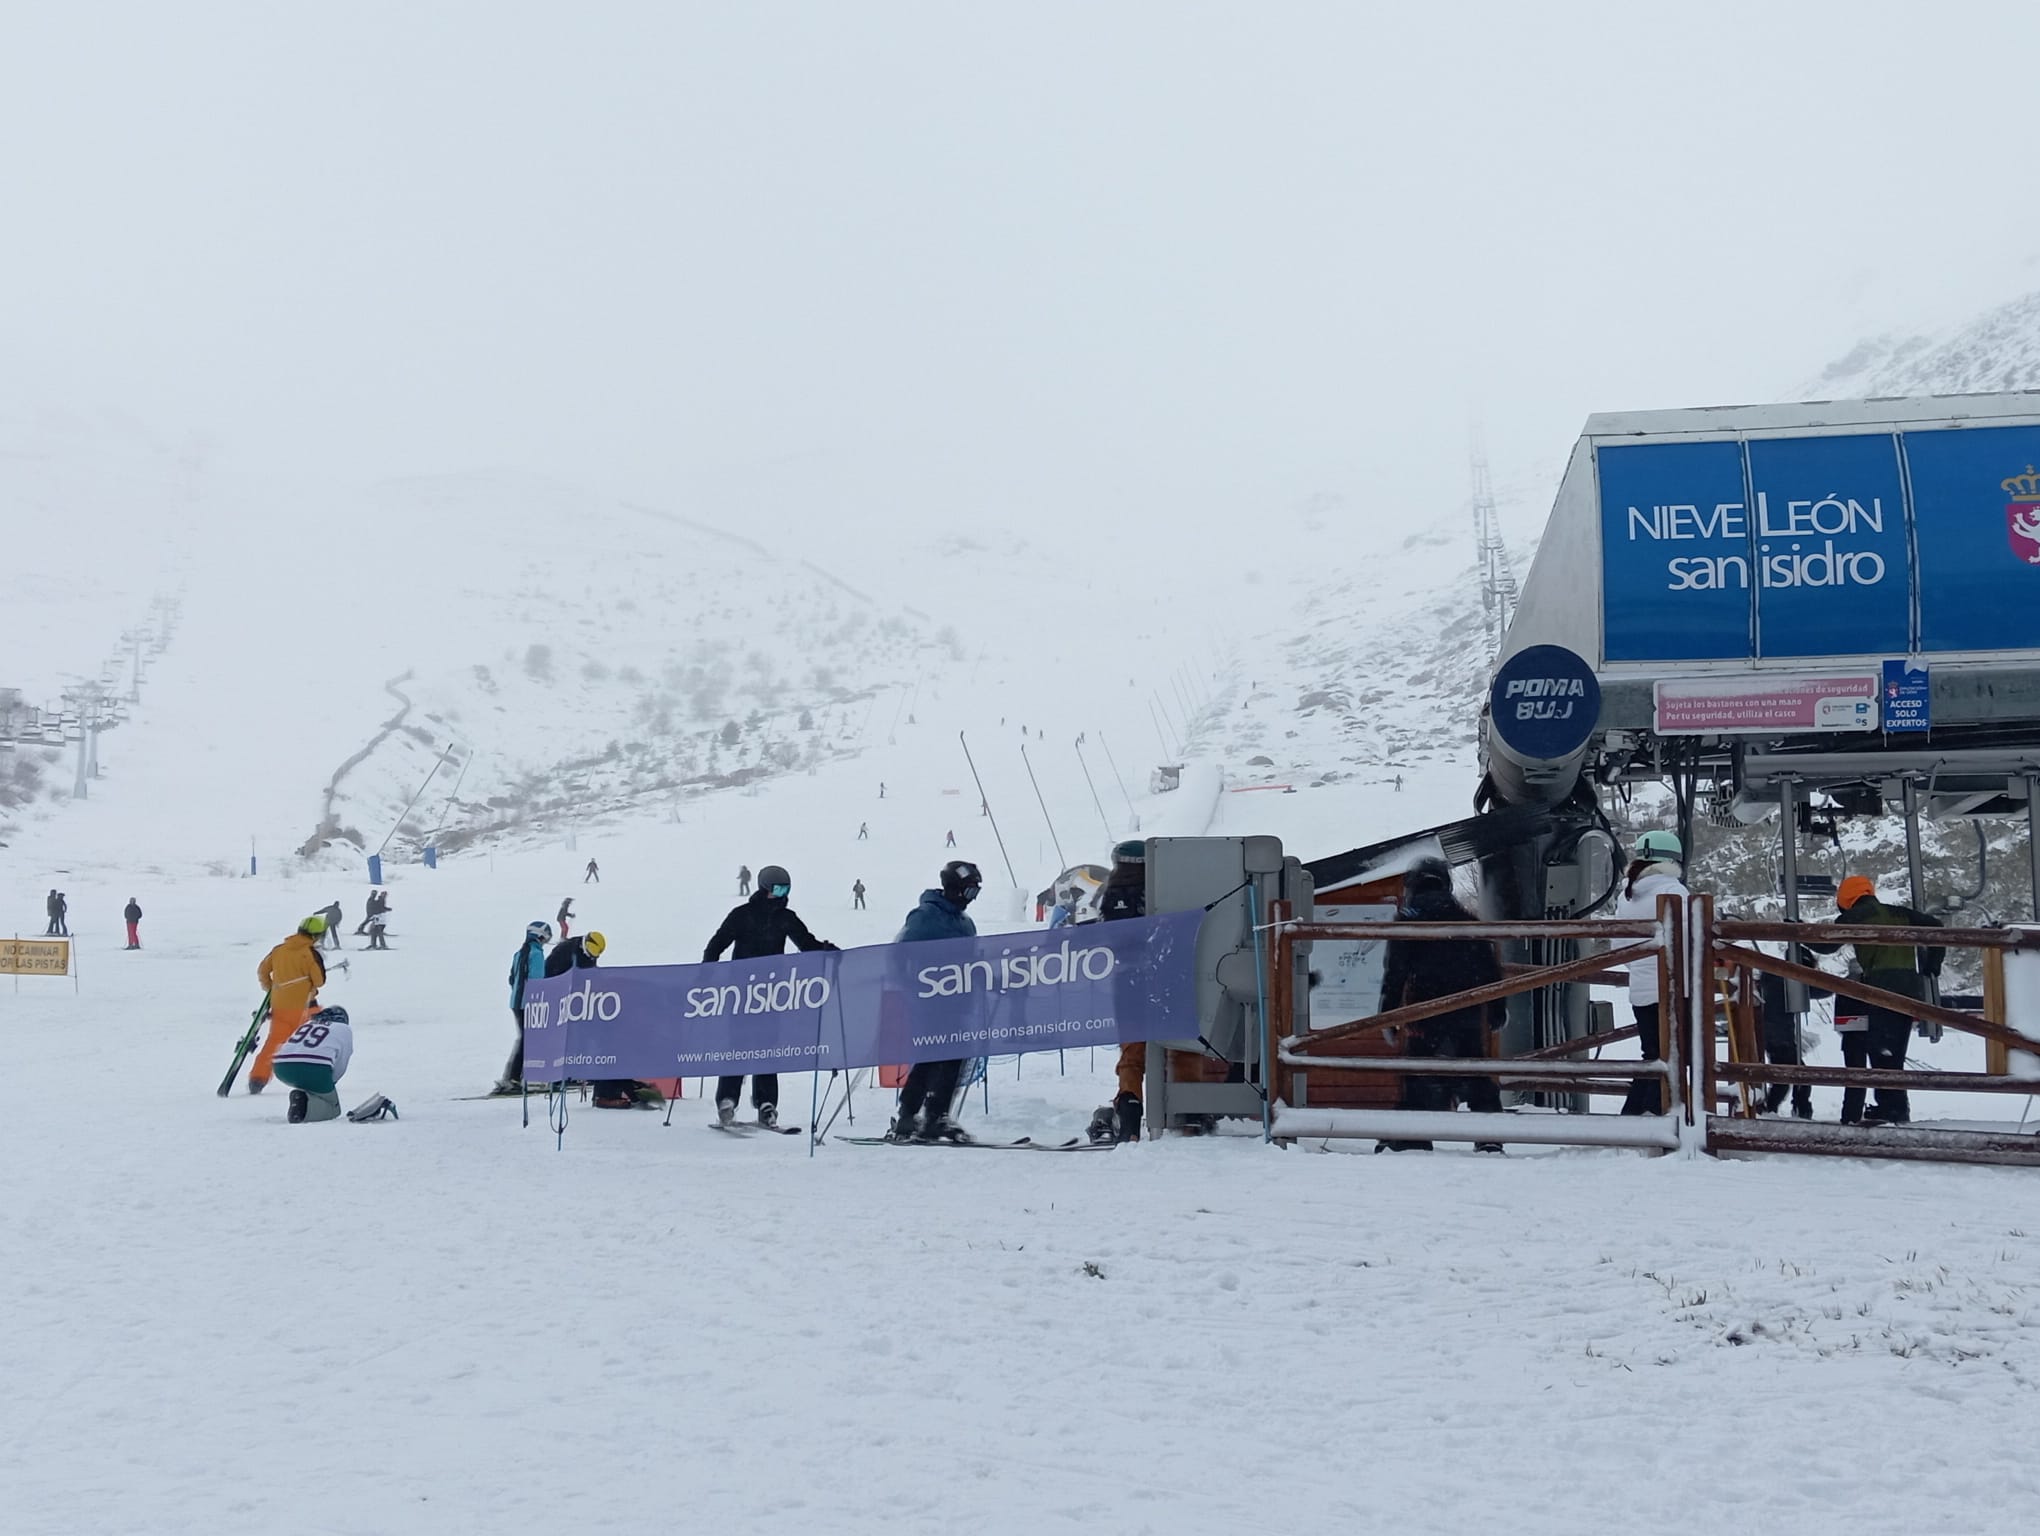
(1762, 603)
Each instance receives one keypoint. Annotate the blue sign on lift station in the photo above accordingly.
(1907, 696)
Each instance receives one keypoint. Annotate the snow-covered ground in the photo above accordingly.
(455, 1322)
(219, 1323)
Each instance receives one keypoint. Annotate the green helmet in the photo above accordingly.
(314, 925)
(1132, 851)
(1660, 845)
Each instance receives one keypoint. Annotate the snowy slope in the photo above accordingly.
(222, 1324)
(1997, 350)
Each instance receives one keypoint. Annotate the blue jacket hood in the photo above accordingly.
(937, 917)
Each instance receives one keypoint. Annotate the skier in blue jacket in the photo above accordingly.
(528, 964)
(930, 1088)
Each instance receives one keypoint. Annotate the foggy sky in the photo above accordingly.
(997, 263)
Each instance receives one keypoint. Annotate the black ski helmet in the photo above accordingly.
(961, 881)
(1427, 874)
(1132, 851)
(774, 881)
(333, 1015)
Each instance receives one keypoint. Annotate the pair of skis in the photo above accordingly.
(246, 1046)
(1023, 1144)
(743, 1128)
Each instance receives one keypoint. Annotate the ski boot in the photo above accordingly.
(647, 1096)
(1104, 1125)
(506, 1088)
(1127, 1108)
(768, 1115)
(726, 1111)
(941, 1128)
(903, 1128)
(299, 1099)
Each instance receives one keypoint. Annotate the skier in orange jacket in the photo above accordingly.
(291, 974)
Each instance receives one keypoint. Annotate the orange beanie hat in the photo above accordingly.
(1853, 890)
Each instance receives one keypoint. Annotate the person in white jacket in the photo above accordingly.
(311, 1062)
(1655, 871)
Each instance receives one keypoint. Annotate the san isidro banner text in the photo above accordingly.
(1094, 984)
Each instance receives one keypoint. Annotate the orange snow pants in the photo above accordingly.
(283, 1022)
(1133, 1069)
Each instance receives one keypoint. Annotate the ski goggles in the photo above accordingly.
(782, 890)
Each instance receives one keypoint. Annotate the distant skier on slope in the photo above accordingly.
(764, 925)
(132, 914)
(950, 842)
(857, 897)
(863, 831)
(929, 1093)
(335, 915)
(378, 903)
(593, 873)
(743, 879)
(291, 974)
(565, 917)
(527, 964)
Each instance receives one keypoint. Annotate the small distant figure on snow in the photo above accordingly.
(378, 931)
(950, 841)
(133, 913)
(881, 789)
(565, 916)
(334, 915)
(378, 903)
(863, 831)
(56, 906)
(984, 807)
(593, 873)
(1398, 783)
(857, 897)
(743, 879)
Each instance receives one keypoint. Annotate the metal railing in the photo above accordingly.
(1706, 967)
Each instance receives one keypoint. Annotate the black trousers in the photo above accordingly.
(1646, 1095)
(764, 1090)
(1781, 1047)
(1855, 1053)
(930, 1088)
(1889, 1034)
(1450, 1036)
(513, 1069)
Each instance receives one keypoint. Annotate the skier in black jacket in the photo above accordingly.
(580, 954)
(1418, 970)
(1123, 896)
(755, 929)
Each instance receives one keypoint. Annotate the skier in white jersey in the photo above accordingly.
(311, 1062)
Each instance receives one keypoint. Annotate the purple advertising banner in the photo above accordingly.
(1091, 984)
